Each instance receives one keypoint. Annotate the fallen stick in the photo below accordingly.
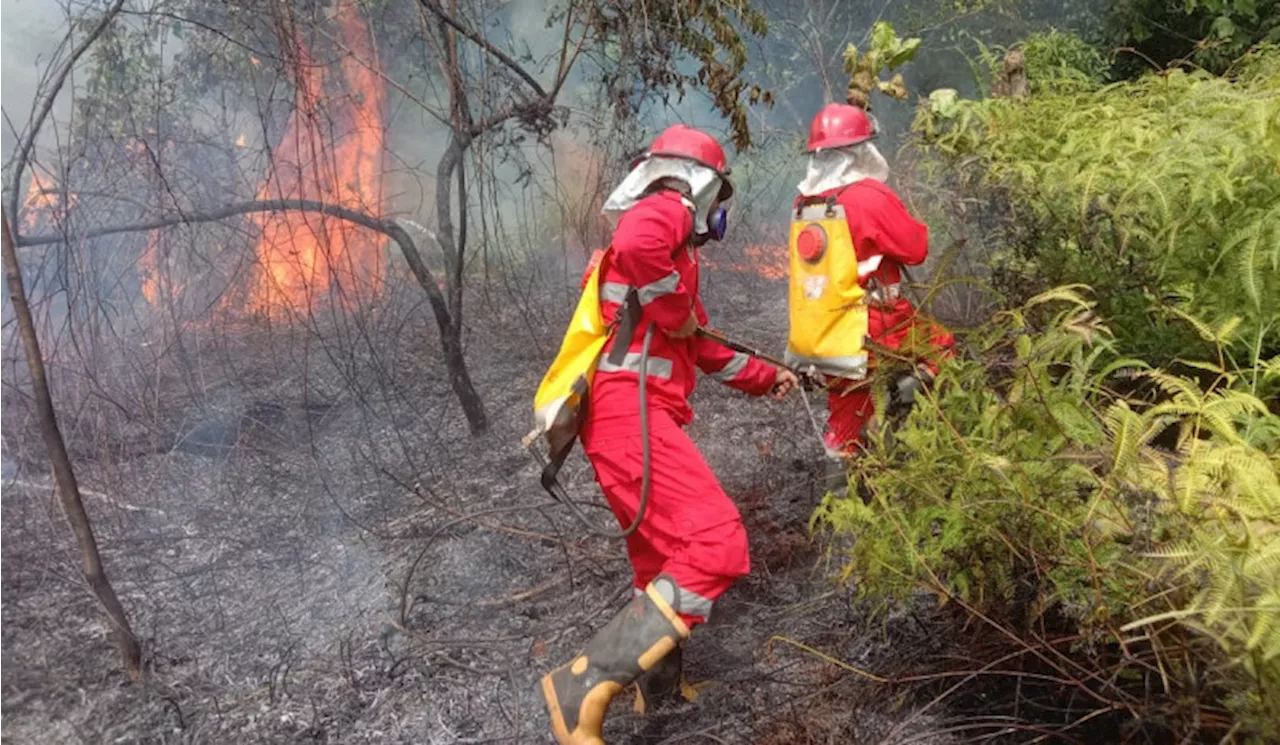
(88, 493)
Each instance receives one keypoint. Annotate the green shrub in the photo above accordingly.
(1054, 59)
(1164, 190)
(1145, 525)
(1208, 33)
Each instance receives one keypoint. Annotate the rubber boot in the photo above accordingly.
(631, 644)
(663, 684)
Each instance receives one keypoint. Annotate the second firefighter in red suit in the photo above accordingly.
(845, 164)
(691, 544)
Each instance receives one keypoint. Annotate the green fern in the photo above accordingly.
(1182, 167)
(1049, 478)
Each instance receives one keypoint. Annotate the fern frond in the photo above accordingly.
(1182, 390)
(1072, 294)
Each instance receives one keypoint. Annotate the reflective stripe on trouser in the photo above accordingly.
(692, 531)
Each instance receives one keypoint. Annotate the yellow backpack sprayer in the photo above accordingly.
(560, 404)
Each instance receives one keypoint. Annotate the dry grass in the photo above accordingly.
(266, 572)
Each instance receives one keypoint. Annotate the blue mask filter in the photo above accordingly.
(718, 223)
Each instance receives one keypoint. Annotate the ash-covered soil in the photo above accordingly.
(322, 554)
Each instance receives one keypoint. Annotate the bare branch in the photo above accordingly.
(484, 43)
(24, 150)
(221, 213)
(449, 337)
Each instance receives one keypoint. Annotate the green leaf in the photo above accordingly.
(1246, 7)
(905, 52)
(850, 58)
(1227, 328)
(883, 37)
(945, 103)
(1023, 347)
(1223, 27)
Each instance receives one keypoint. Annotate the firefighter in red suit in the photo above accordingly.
(844, 163)
(691, 544)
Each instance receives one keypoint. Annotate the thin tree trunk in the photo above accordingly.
(450, 339)
(451, 159)
(68, 490)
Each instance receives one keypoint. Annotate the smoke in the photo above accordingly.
(31, 35)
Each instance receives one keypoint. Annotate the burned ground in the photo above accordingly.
(319, 552)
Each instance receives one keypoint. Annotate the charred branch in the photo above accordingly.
(452, 159)
(534, 113)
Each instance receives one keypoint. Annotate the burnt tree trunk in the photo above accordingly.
(64, 475)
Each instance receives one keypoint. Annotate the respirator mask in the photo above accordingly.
(717, 227)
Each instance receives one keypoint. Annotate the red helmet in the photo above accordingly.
(840, 125)
(682, 141)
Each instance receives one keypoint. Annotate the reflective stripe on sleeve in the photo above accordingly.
(654, 290)
(614, 292)
(735, 365)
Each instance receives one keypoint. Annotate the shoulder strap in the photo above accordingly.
(830, 201)
(624, 327)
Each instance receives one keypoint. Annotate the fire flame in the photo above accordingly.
(44, 200)
(149, 269)
(153, 268)
(761, 259)
(304, 255)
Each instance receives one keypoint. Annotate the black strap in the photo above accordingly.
(563, 432)
(625, 324)
(830, 202)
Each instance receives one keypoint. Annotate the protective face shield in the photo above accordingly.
(704, 185)
(838, 167)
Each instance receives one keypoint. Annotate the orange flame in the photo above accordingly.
(44, 200)
(149, 269)
(761, 259)
(153, 268)
(302, 256)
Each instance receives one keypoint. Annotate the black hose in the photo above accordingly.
(645, 457)
(645, 471)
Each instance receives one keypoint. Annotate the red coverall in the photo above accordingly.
(879, 225)
(691, 531)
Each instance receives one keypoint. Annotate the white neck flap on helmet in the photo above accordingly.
(839, 167)
(704, 185)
